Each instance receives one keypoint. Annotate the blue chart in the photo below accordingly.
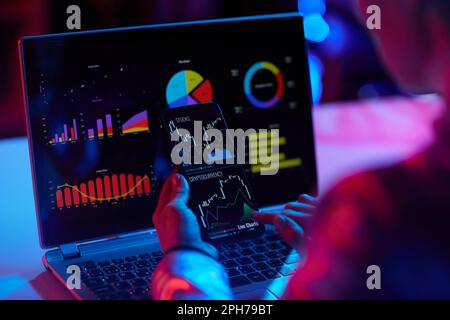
(187, 88)
(256, 88)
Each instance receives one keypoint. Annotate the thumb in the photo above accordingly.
(291, 232)
(180, 189)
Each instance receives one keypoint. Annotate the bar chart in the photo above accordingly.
(103, 189)
(66, 135)
(101, 128)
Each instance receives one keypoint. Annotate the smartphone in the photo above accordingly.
(220, 194)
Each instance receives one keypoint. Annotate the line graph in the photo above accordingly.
(184, 137)
(188, 136)
(212, 124)
(207, 215)
(230, 205)
(222, 183)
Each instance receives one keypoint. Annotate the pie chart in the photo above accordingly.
(187, 88)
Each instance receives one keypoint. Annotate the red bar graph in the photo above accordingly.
(139, 187)
(91, 188)
(115, 186)
(76, 196)
(131, 185)
(107, 185)
(147, 188)
(103, 189)
(99, 185)
(67, 197)
(123, 185)
(59, 199)
(83, 192)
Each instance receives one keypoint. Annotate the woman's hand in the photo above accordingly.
(175, 223)
(289, 220)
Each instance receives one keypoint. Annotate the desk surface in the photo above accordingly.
(349, 138)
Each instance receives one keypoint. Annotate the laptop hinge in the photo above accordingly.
(70, 251)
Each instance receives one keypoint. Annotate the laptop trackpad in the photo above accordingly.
(261, 294)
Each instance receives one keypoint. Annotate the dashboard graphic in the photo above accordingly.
(223, 202)
(188, 88)
(104, 128)
(100, 129)
(264, 85)
(221, 196)
(258, 152)
(232, 204)
(137, 123)
(212, 154)
(214, 124)
(64, 136)
(101, 110)
(107, 188)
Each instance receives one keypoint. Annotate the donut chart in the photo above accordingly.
(257, 86)
(187, 88)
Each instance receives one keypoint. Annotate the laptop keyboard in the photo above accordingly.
(257, 260)
(246, 262)
(121, 278)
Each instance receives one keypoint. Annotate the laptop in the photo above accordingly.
(98, 154)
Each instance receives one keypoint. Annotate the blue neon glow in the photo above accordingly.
(336, 41)
(315, 72)
(9, 284)
(17, 208)
(316, 28)
(307, 7)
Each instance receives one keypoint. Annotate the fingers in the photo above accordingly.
(300, 207)
(305, 198)
(270, 217)
(180, 189)
(265, 217)
(164, 196)
(287, 222)
(175, 191)
(291, 232)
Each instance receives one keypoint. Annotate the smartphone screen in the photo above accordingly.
(220, 195)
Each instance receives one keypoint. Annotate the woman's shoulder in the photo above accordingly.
(378, 191)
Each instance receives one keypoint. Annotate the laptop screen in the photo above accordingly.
(93, 102)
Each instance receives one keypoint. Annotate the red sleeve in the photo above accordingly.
(190, 275)
(338, 254)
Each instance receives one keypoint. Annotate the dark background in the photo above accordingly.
(350, 68)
